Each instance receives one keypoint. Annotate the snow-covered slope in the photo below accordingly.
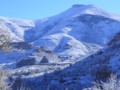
(96, 67)
(16, 27)
(78, 31)
(74, 33)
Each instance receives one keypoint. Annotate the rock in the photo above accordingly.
(44, 60)
(115, 39)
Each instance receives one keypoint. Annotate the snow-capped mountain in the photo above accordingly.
(83, 33)
(74, 33)
(81, 29)
(77, 32)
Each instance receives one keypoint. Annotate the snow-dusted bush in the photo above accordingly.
(103, 73)
(113, 83)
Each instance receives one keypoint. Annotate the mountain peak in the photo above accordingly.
(81, 5)
(79, 9)
(77, 5)
(86, 8)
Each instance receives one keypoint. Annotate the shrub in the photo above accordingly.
(113, 83)
(103, 73)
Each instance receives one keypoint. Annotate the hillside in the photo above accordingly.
(66, 51)
(82, 29)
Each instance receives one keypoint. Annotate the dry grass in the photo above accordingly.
(5, 39)
(2, 82)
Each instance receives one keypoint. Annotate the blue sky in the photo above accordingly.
(36, 9)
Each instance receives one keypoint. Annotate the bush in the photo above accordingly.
(113, 83)
(103, 73)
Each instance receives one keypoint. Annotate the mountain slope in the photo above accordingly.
(84, 34)
(86, 28)
(16, 27)
(80, 75)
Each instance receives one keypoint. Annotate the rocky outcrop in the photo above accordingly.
(44, 60)
(115, 39)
